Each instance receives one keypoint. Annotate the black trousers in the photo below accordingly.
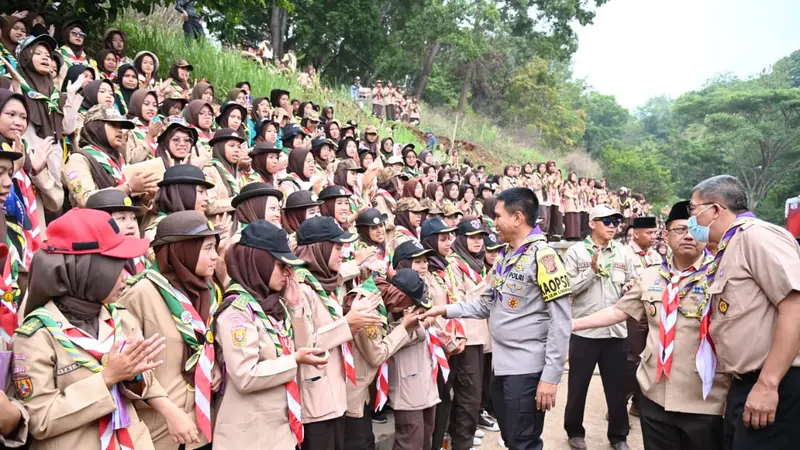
(556, 221)
(192, 29)
(325, 435)
(544, 214)
(466, 407)
(514, 398)
(784, 434)
(667, 430)
(358, 431)
(413, 429)
(486, 397)
(585, 230)
(442, 419)
(584, 355)
(634, 345)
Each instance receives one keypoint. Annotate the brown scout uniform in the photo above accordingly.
(219, 200)
(477, 330)
(322, 392)
(760, 267)
(255, 398)
(66, 400)
(145, 303)
(682, 392)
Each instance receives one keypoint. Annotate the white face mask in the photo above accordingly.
(699, 233)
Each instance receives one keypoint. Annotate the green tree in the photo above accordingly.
(640, 168)
(605, 121)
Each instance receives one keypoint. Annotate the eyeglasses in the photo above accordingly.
(77, 33)
(608, 221)
(209, 114)
(679, 231)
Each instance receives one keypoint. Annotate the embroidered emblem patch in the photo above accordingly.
(186, 317)
(127, 201)
(76, 186)
(723, 306)
(651, 309)
(513, 303)
(8, 296)
(549, 263)
(24, 388)
(209, 337)
(519, 267)
(372, 332)
(239, 337)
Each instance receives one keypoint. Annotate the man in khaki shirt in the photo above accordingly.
(754, 315)
(673, 413)
(599, 269)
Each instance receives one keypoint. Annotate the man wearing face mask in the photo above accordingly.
(754, 311)
(680, 408)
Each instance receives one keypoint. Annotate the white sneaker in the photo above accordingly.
(479, 433)
(476, 441)
(501, 442)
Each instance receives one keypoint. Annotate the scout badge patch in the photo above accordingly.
(723, 306)
(239, 337)
(513, 303)
(24, 388)
(651, 308)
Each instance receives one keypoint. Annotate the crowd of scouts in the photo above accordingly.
(284, 277)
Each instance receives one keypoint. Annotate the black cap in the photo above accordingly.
(264, 235)
(449, 182)
(484, 187)
(263, 123)
(409, 250)
(225, 134)
(470, 227)
(434, 226)
(183, 226)
(251, 190)
(333, 192)
(263, 148)
(322, 229)
(291, 130)
(410, 283)
(644, 222)
(110, 200)
(173, 122)
(679, 211)
(6, 148)
(370, 218)
(301, 199)
(185, 174)
(363, 150)
(229, 105)
(491, 242)
(319, 141)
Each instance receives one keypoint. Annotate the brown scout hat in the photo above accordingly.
(451, 210)
(409, 204)
(183, 226)
(108, 114)
(111, 200)
(433, 208)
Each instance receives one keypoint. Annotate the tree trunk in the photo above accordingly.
(462, 101)
(426, 71)
(277, 31)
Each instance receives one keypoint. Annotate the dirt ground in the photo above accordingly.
(554, 436)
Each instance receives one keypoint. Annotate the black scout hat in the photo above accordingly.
(224, 108)
(322, 229)
(470, 227)
(434, 226)
(301, 199)
(333, 192)
(225, 134)
(183, 226)
(173, 122)
(644, 222)
(410, 283)
(491, 242)
(111, 200)
(266, 236)
(679, 211)
(263, 148)
(185, 174)
(370, 218)
(410, 249)
(251, 190)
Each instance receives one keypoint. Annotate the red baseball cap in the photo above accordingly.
(89, 231)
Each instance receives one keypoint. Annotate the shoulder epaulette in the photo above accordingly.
(29, 327)
(134, 279)
(240, 303)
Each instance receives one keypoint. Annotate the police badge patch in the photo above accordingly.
(723, 306)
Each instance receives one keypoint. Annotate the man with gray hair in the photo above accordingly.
(749, 320)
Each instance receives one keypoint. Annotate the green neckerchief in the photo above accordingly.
(107, 163)
(246, 300)
(603, 269)
(366, 289)
(334, 308)
(14, 259)
(51, 102)
(229, 177)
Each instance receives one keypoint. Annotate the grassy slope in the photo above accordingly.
(487, 144)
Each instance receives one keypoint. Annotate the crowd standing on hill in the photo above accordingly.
(180, 272)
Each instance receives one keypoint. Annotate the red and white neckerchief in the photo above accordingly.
(388, 197)
(109, 437)
(347, 352)
(204, 367)
(139, 264)
(405, 231)
(670, 300)
(438, 357)
(33, 238)
(382, 386)
(71, 58)
(468, 271)
(292, 389)
(8, 309)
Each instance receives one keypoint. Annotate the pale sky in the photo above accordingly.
(637, 49)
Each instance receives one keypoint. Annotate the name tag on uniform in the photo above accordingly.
(620, 266)
(516, 276)
(584, 265)
(655, 289)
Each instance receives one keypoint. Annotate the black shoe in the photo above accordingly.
(487, 425)
(379, 417)
(620, 446)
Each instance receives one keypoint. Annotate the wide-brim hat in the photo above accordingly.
(7, 150)
(225, 134)
(252, 190)
(224, 108)
(173, 122)
(434, 226)
(410, 249)
(491, 242)
(301, 199)
(108, 114)
(183, 63)
(266, 236)
(263, 148)
(332, 192)
(322, 229)
(410, 283)
(185, 174)
(371, 217)
(183, 226)
(30, 40)
(111, 200)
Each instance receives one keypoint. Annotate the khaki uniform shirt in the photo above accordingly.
(370, 350)
(411, 383)
(78, 177)
(477, 330)
(641, 262)
(683, 390)
(591, 292)
(66, 401)
(18, 437)
(323, 393)
(219, 200)
(145, 303)
(255, 378)
(759, 268)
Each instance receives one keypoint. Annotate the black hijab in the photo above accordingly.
(126, 93)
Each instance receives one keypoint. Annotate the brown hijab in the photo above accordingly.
(232, 94)
(259, 164)
(218, 152)
(94, 133)
(252, 268)
(5, 37)
(430, 190)
(176, 197)
(474, 260)
(91, 91)
(78, 284)
(199, 89)
(297, 160)
(292, 218)
(317, 256)
(409, 187)
(45, 123)
(192, 114)
(251, 209)
(137, 100)
(173, 73)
